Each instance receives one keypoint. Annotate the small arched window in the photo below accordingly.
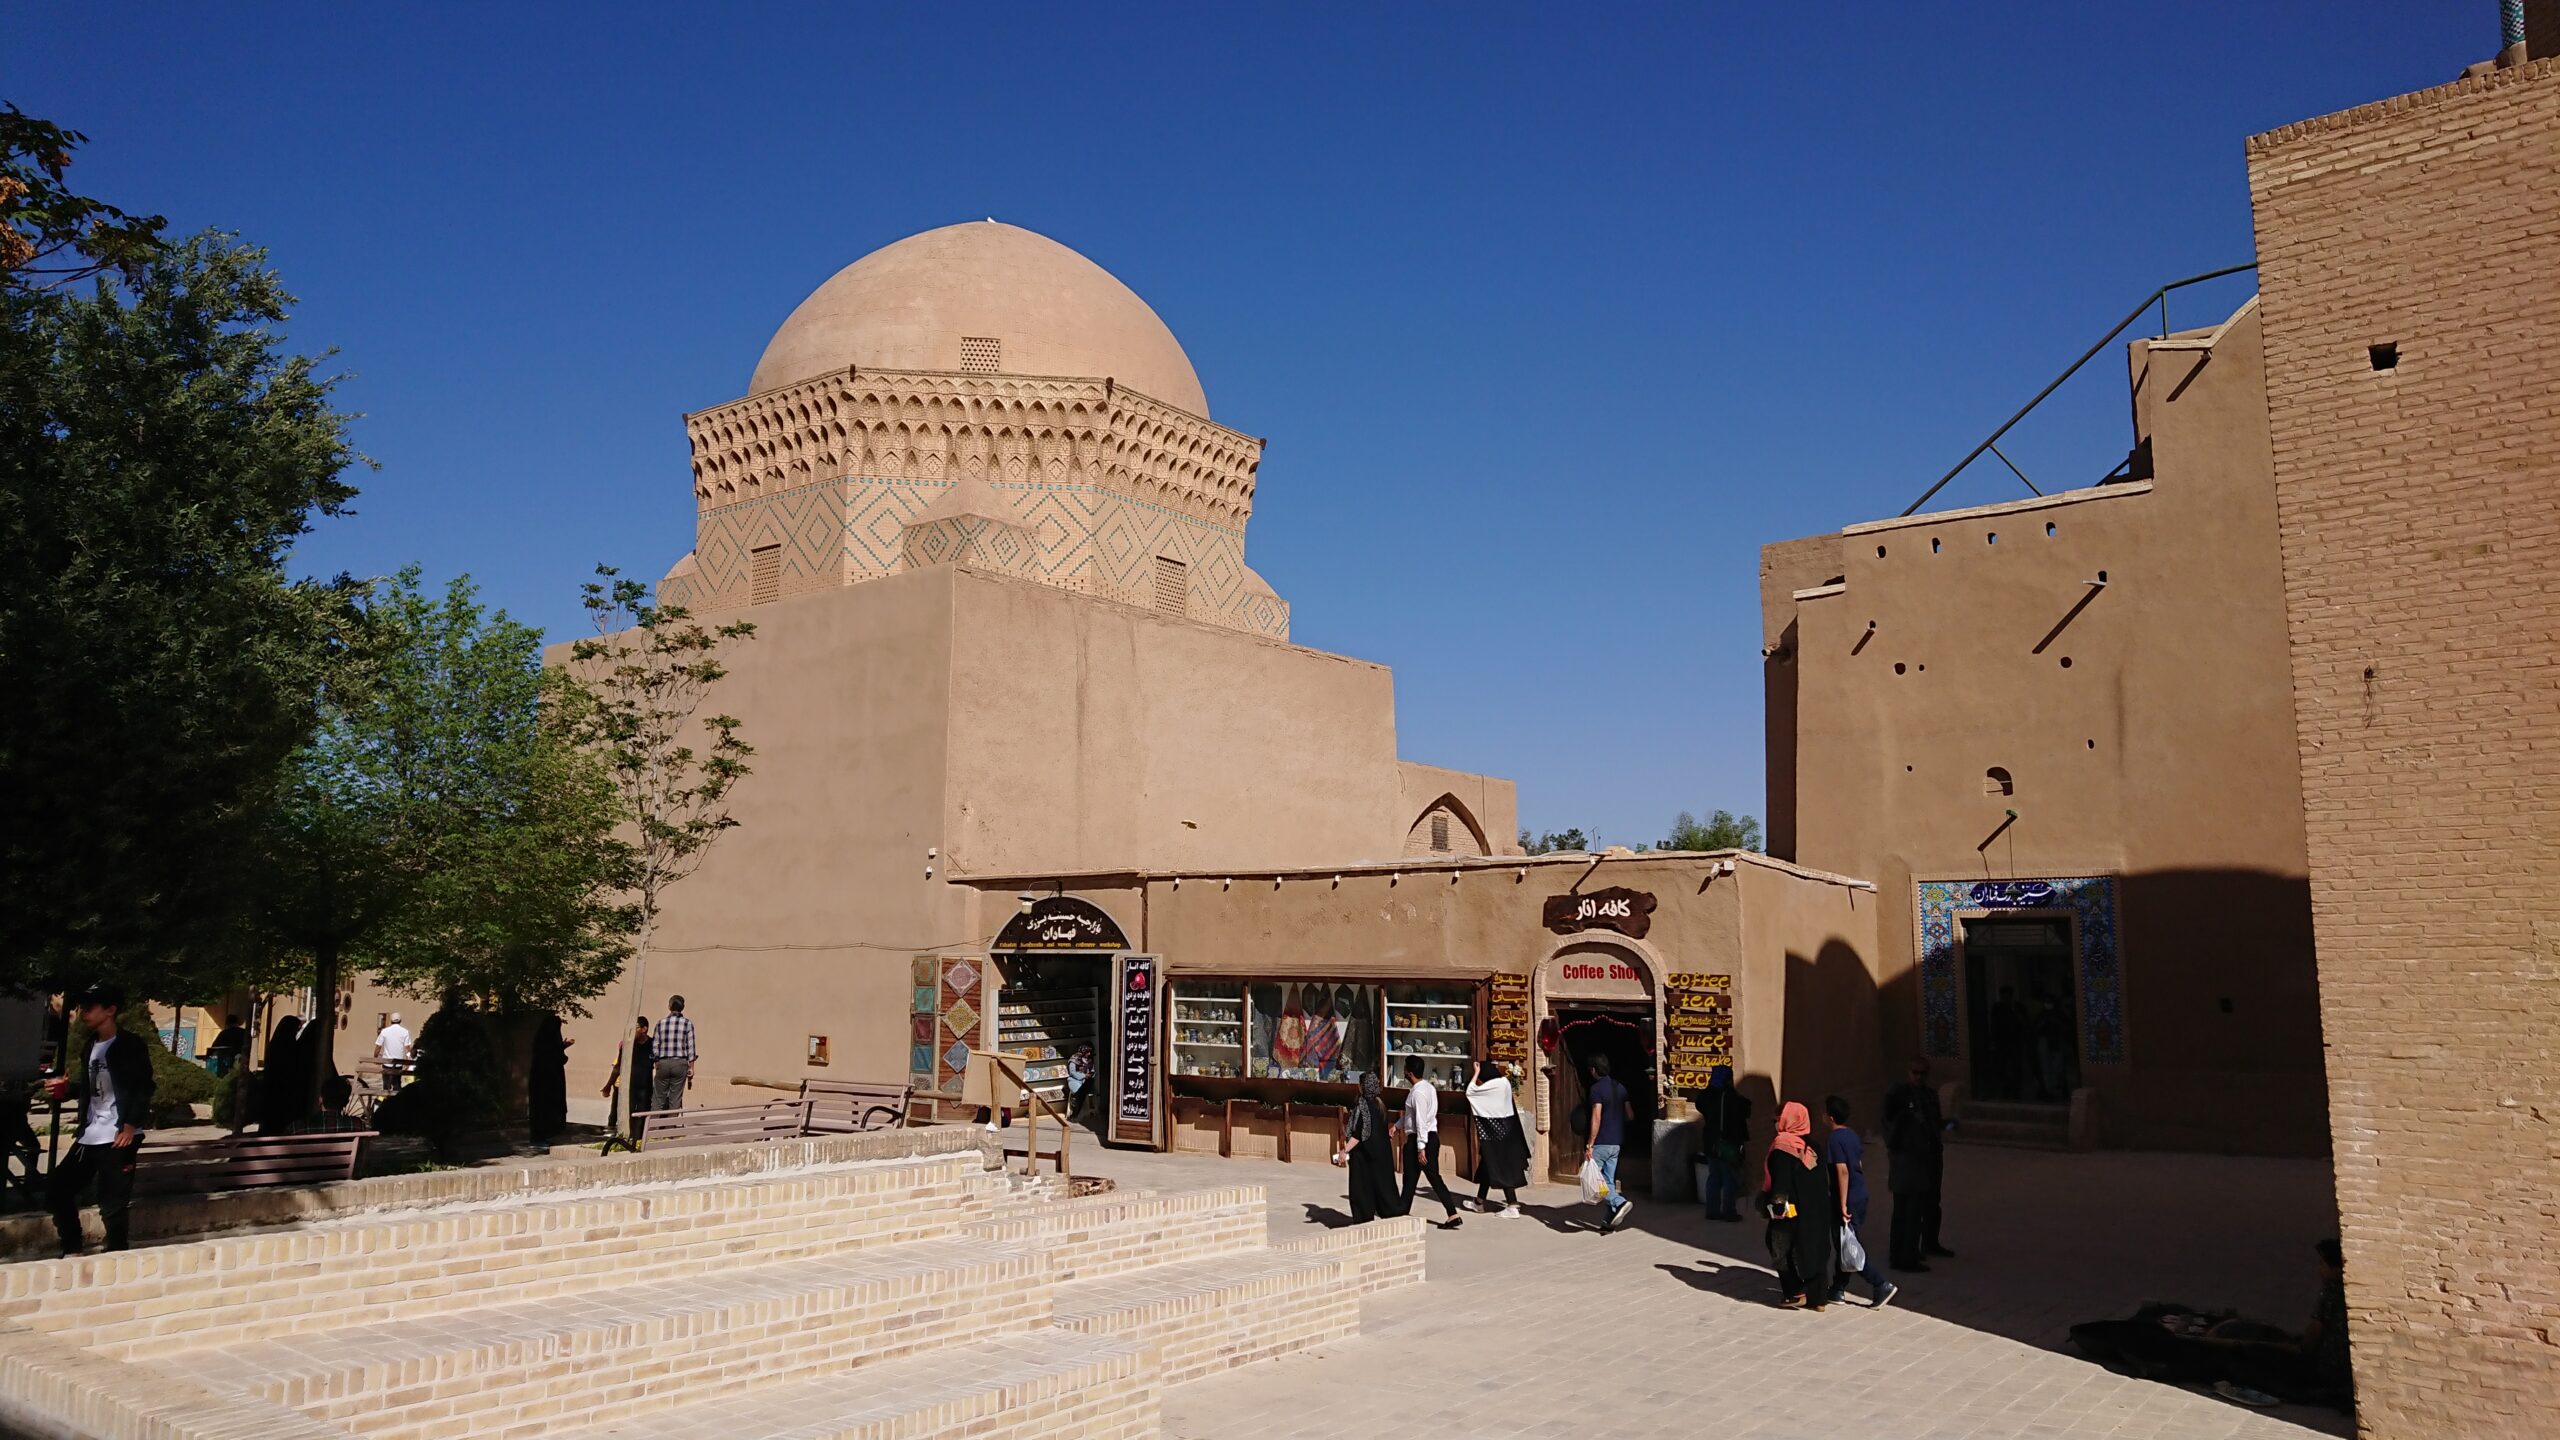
(1995, 781)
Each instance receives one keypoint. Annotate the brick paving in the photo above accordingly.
(1537, 1327)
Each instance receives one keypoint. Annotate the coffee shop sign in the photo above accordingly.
(1629, 912)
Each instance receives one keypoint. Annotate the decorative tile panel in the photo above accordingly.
(2091, 902)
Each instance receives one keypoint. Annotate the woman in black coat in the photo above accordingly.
(1803, 1211)
(1370, 1154)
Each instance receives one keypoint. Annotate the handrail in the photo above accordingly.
(1009, 1062)
(2159, 297)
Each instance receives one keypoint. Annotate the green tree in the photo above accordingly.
(641, 685)
(1558, 842)
(440, 827)
(159, 454)
(48, 234)
(1722, 830)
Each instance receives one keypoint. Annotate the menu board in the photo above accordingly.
(1698, 1030)
(1133, 1116)
(1507, 1020)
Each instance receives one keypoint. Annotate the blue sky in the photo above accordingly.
(1552, 314)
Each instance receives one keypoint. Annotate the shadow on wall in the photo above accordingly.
(1834, 1044)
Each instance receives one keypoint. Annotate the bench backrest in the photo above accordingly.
(723, 1124)
(250, 1162)
(843, 1107)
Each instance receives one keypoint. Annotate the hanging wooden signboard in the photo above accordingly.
(1629, 912)
(1697, 1028)
(1062, 922)
(1134, 1003)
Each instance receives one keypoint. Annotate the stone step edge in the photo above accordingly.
(357, 1236)
(1028, 1264)
(1378, 1256)
(1079, 1304)
(191, 1217)
(53, 1391)
(925, 1397)
(1017, 1219)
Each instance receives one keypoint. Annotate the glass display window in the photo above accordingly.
(1312, 1030)
(1436, 1023)
(1208, 1028)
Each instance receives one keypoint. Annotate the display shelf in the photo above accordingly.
(1428, 1005)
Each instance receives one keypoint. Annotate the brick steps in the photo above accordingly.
(1209, 1315)
(1051, 1384)
(1111, 1233)
(520, 1369)
(147, 1303)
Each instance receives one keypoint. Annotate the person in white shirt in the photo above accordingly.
(391, 1046)
(1420, 1129)
(1502, 1148)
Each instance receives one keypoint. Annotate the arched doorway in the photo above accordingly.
(1599, 995)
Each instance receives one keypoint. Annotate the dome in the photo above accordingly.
(1049, 310)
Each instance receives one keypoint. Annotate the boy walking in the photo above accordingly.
(1611, 1108)
(1421, 1126)
(115, 1103)
(1847, 1157)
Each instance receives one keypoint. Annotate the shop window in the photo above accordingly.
(1312, 1030)
(1208, 1029)
(1436, 1023)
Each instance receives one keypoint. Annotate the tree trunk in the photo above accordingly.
(633, 1084)
(324, 1002)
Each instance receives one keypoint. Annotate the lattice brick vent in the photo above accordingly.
(764, 574)
(1173, 586)
(1440, 830)
(981, 354)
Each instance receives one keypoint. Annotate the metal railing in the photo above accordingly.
(2159, 297)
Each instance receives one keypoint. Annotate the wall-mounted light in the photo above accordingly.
(1025, 902)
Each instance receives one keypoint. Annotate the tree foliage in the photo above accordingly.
(1558, 842)
(159, 454)
(641, 683)
(441, 828)
(1722, 830)
(50, 235)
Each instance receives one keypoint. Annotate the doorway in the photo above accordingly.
(1049, 1007)
(1623, 1033)
(2021, 1008)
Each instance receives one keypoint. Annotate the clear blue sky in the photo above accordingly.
(1552, 314)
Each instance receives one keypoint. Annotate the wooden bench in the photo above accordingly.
(846, 1107)
(249, 1162)
(723, 1125)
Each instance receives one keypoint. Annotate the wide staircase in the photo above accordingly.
(2018, 1124)
(912, 1296)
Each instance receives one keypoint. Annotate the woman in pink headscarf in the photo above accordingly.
(1804, 1214)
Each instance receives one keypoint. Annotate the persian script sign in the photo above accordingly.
(1629, 912)
(1134, 1078)
(1062, 922)
(2014, 895)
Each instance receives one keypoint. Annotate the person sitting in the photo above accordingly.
(2310, 1370)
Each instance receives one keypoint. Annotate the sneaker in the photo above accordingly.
(1511, 1212)
(1885, 1296)
(1625, 1209)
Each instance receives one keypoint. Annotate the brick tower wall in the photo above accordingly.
(2420, 517)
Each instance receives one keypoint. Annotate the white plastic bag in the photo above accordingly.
(1594, 1188)
(1853, 1255)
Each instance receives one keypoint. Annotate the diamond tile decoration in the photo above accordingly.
(963, 1018)
(956, 1059)
(920, 1060)
(920, 1029)
(963, 977)
(924, 1000)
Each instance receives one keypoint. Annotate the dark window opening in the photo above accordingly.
(1995, 781)
(1440, 832)
(2385, 356)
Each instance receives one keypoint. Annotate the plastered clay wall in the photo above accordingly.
(2420, 510)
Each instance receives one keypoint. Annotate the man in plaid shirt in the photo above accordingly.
(673, 1044)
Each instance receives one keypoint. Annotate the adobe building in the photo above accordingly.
(2057, 734)
(1033, 752)
(2409, 256)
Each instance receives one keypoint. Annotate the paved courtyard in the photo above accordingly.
(1538, 1327)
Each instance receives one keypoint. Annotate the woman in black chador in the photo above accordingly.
(546, 1089)
(1370, 1155)
(1803, 1211)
